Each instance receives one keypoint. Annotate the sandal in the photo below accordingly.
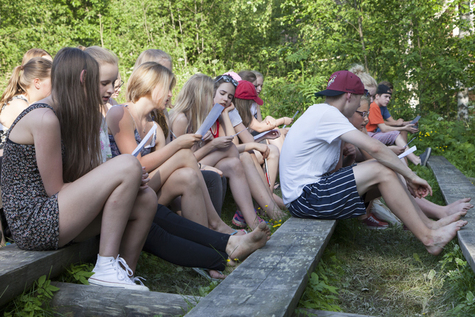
(205, 274)
(238, 220)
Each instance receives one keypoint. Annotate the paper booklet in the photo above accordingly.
(407, 152)
(292, 118)
(271, 134)
(139, 147)
(210, 119)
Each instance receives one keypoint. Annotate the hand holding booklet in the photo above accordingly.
(407, 152)
(271, 134)
(213, 115)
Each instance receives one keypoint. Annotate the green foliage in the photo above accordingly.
(34, 302)
(319, 293)
(78, 273)
(205, 290)
(460, 282)
(452, 139)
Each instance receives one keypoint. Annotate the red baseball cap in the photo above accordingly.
(343, 81)
(246, 90)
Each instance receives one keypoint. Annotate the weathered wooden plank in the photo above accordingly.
(87, 300)
(454, 186)
(303, 312)
(271, 281)
(19, 269)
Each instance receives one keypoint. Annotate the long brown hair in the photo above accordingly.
(75, 92)
(195, 100)
(244, 108)
(23, 76)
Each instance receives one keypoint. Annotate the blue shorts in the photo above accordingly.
(334, 196)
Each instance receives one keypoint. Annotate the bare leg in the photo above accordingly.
(185, 183)
(372, 175)
(416, 160)
(435, 211)
(228, 162)
(260, 190)
(182, 159)
(112, 201)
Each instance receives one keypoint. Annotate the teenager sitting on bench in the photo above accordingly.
(312, 151)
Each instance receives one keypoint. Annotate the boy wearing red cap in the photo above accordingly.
(313, 185)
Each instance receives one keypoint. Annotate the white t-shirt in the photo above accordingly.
(311, 148)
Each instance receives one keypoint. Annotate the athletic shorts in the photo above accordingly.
(387, 138)
(334, 196)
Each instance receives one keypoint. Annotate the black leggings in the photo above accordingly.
(216, 188)
(186, 243)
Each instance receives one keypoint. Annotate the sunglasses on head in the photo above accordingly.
(227, 79)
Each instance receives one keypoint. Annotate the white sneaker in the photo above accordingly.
(115, 273)
(384, 213)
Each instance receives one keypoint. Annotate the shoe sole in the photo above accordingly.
(427, 157)
(96, 282)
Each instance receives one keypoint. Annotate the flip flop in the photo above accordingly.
(205, 274)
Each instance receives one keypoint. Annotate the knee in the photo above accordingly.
(128, 166)
(385, 173)
(233, 151)
(148, 201)
(186, 156)
(246, 158)
(187, 177)
(273, 152)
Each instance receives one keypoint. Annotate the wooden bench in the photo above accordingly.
(19, 269)
(271, 281)
(454, 186)
(87, 300)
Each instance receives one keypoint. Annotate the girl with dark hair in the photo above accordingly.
(53, 190)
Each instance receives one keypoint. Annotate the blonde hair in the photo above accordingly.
(24, 75)
(143, 81)
(34, 52)
(194, 100)
(152, 55)
(102, 55)
(366, 78)
(258, 74)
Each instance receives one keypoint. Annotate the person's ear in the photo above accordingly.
(37, 83)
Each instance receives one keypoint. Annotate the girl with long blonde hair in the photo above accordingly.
(29, 83)
(173, 168)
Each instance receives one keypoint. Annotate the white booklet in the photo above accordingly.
(213, 115)
(147, 137)
(407, 152)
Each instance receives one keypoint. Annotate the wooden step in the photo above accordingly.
(271, 281)
(19, 269)
(86, 300)
(454, 186)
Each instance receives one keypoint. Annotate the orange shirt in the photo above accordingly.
(375, 117)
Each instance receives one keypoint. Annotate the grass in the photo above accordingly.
(386, 272)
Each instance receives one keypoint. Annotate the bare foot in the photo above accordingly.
(444, 235)
(460, 205)
(224, 228)
(217, 275)
(434, 225)
(241, 247)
